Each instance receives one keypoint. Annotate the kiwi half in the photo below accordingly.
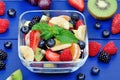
(102, 9)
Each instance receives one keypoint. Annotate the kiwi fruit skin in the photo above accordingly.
(98, 17)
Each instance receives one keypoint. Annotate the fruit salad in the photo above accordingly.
(53, 38)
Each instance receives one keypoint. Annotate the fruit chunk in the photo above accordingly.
(78, 4)
(65, 17)
(81, 76)
(78, 24)
(97, 25)
(94, 48)
(17, 75)
(2, 8)
(50, 42)
(110, 48)
(44, 18)
(60, 47)
(102, 9)
(11, 12)
(8, 44)
(66, 55)
(27, 53)
(95, 70)
(60, 22)
(34, 39)
(4, 24)
(52, 56)
(115, 28)
(75, 51)
(2, 65)
(105, 33)
(3, 55)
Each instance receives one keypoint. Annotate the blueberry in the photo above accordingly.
(75, 16)
(81, 44)
(97, 25)
(25, 29)
(11, 12)
(95, 70)
(42, 44)
(81, 76)
(50, 42)
(8, 44)
(105, 33)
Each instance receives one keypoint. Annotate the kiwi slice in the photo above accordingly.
(102, 9)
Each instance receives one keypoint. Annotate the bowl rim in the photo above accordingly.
(50, 62)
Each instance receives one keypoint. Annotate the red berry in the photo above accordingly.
(34, 39)
(52, 56)
(94, 48)
(110, 48)
(2, 8)
(4, 24)
(78, 24)
(116, 24)
(66, 55)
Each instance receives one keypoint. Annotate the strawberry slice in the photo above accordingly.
(78, 24)
(34, 39)
(52, 56)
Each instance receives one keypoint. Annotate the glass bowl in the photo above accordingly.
(50, 66)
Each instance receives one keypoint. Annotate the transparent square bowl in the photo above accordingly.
(48, 66)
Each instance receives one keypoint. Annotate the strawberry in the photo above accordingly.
(52, 56)
(4, 24)
(110, 48)
(2, 8)
(78, 4)
(116, 24)
(34, 39)
(78, 24)
(94, 48)
(66, 55)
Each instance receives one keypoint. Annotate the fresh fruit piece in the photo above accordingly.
(8, 44)
(104, 57)
(27, 38)
(110, 48)
(50, 42)
(42, 44)
(80, 33)
(105, 33)
(75, 16)
(3, 55)
(49, 65)
(95, 70)
(33, 22)
(44, 4)
(44, 18)
(2, 8)
(26, 23)
(39, 54)
(66, 55)
(78, 4)
(25, 29)
(57, 42)
(115, 29)
(78, 24)
(27, 53)
(75, 51)
(2, 65)
(4, 24)
(81, 44)
(11, 12)
(34, 39)
(94, 48)
(37, 18)
(65, 17)
(81, 76)
(97, 25)
(102, 9)
(60, 22)
(60, 47)
(33, 2)
(52, 56)
(17, 75)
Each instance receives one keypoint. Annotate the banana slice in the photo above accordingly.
(27, 53)
(60, 22)
(65, 17)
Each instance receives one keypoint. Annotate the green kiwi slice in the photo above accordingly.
(102, 9)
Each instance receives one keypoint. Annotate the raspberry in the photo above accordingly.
(4, 24)
(66, 55)
(2, 8)
(3, 55)
(104, 57)
(116, 24)
(110, 48)
(2, 65)
(78, 24)
(94, 48)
